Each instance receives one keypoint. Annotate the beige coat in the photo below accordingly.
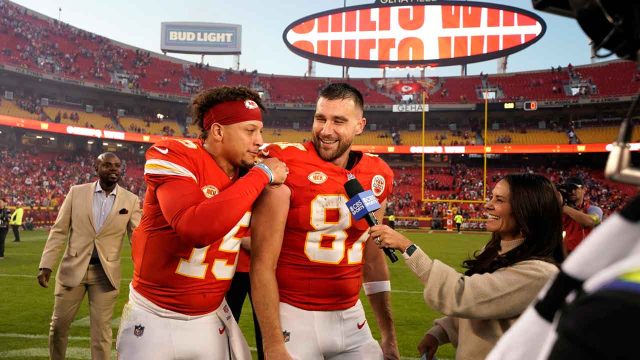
(75, 224)
(480, 307)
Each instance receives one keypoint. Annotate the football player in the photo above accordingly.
(196, 210)
(309, 256)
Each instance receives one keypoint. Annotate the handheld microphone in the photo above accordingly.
(362, 204)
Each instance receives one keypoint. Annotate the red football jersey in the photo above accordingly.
(320, 264)
(181, 263)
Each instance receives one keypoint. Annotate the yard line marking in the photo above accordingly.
(84, 322)
(406, 291)
(34, 336)
(52, 280)
(128, 280)
(72, 353)
(18, 275)
(76, 352)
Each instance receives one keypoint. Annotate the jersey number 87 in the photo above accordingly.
(315, 248)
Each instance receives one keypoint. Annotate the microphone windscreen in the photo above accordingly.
(353, 187)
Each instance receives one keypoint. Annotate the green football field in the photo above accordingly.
(25, 307)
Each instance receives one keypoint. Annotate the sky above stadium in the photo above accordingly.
(137, 23)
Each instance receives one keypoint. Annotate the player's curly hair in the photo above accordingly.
(208, 98)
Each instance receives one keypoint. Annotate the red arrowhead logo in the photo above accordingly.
(221, 330)
(361, 325)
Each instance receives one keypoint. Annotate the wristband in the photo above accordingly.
(374, 287)
(266, 170)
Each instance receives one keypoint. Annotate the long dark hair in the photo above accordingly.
(538, 217)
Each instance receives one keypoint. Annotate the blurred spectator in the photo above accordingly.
(5, 216)
(16, 221)
(579, 216)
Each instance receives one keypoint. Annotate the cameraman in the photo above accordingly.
(578, 216)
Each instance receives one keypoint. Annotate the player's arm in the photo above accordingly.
(199, 221)
(375, 275)
(267, 230)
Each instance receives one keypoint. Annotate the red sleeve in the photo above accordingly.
(200, 223)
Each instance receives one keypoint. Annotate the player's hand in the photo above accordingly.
(279, 353)
(385, 236)
(429, 345)
(43, 277)
(278, 169)
(390, 350)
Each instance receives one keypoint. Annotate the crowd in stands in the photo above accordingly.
(503, 139)
(52, 47)
(460, 182)
(73, 116)
(31, 105)
(41, 181)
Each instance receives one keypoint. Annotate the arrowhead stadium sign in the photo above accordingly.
(413, 32)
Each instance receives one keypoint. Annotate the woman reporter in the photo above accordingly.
(524, 252)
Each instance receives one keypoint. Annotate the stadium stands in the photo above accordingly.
(460, 182)
(11, 108)
(41, 44)
(45, 46)
(40, 180)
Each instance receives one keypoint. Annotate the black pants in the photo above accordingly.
(458, 226)
(16, 232)
(240, 288)
(3, 237)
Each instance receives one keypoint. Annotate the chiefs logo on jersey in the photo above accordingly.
(250, 104)
(377, 185)
(210, 191)
(317, 177)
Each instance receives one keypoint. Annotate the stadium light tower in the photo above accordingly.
(502, 64)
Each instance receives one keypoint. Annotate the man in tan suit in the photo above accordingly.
(93, 220)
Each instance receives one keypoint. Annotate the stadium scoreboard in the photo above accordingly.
(512, 106)
(530, 106)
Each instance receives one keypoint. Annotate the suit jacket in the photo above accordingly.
(75, 224)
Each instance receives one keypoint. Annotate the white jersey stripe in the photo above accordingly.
(164, 167)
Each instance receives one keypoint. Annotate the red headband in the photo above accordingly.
(232, 112)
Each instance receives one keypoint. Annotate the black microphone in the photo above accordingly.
(362, 204)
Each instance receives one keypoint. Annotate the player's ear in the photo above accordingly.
(216, 132)
(361, 124)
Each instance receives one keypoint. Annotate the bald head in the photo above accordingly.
(104, 155)
(108, 170)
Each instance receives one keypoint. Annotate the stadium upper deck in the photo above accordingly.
(33, 43)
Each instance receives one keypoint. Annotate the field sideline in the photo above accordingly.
(25, 308)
